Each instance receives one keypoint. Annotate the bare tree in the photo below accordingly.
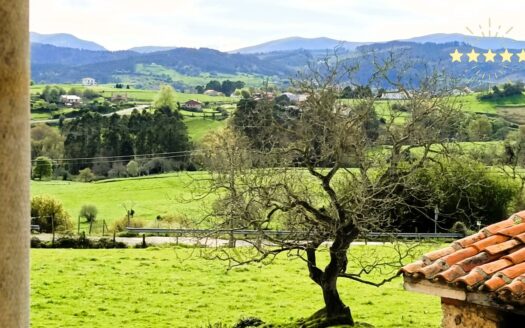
(327, 173)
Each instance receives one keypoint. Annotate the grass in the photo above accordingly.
(139, 95)
(152, 196)
(201, 79)
(167, 287)
(199, 127)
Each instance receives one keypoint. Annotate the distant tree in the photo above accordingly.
(165, 98)
(359, 92)
(480, 129)
(43, 168)
(75, 92)
(214, 85)
(200, 89)
(89, 212)
(228, 87)
(133, 168)
(90, 94)
(86, 175)
(245, 94)
(46, 141)
(128, 87)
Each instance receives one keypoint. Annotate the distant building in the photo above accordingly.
(263, 95)
(119, 97)
(213, 93)
(394, 96)
(70, 100)
(192, 105)
(88, 81)
(295, 98)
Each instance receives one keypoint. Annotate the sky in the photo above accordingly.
(232, 24)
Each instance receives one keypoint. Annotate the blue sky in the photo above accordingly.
(232, 24)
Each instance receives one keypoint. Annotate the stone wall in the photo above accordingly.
(458, 314)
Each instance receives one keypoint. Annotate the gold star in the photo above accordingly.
(521, 55)
(506, 56)
(456, 56)
(489, 56)
(473, 56)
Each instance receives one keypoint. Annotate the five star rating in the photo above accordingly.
(487, 57)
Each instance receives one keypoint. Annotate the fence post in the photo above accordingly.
(103, 228)
(53, 229)
(143, 240)
(78, 226)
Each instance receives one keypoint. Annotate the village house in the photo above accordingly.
(192, 105)
(480, 278)
(71, 100)
(295, 98)
(88, 82)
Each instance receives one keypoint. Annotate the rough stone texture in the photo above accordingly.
(14, 163)
(457, 314)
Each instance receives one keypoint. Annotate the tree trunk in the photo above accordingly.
(336, 311)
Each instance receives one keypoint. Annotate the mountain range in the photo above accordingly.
(63, 58)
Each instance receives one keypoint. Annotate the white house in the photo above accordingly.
(70, 100)
(88, 81)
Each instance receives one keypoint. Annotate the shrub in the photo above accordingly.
(44, 208)
(465, 190)
(120, 225)
(86, 175)
(89, 212)
(133, 168)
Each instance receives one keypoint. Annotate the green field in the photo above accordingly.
(199, 127)
(138, 95)
(152, 196)
(170, 287)
(201, 79)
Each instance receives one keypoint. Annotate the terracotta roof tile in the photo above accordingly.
(520, 237)
(505, 246)
(517, 256)
(490, 241)
(469, 240)
(490, 261)
(432, 256)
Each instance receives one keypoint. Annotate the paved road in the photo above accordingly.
(121, 112)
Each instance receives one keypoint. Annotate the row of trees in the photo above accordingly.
(108, 145)
(507, 90)
(227, 87)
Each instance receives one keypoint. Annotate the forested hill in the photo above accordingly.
(178, 66)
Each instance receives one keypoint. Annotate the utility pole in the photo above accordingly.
(436, 216)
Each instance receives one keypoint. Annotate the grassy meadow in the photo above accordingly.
(138, 95)
(167, 194)
(173, 287)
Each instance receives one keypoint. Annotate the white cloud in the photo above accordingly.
(229, 24)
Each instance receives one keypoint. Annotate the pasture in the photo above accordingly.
(170, 287)
(137, 95)
(167, 194)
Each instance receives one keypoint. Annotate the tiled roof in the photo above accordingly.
(491, 261)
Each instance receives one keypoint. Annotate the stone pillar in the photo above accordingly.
(14, 163)
(459, 314)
